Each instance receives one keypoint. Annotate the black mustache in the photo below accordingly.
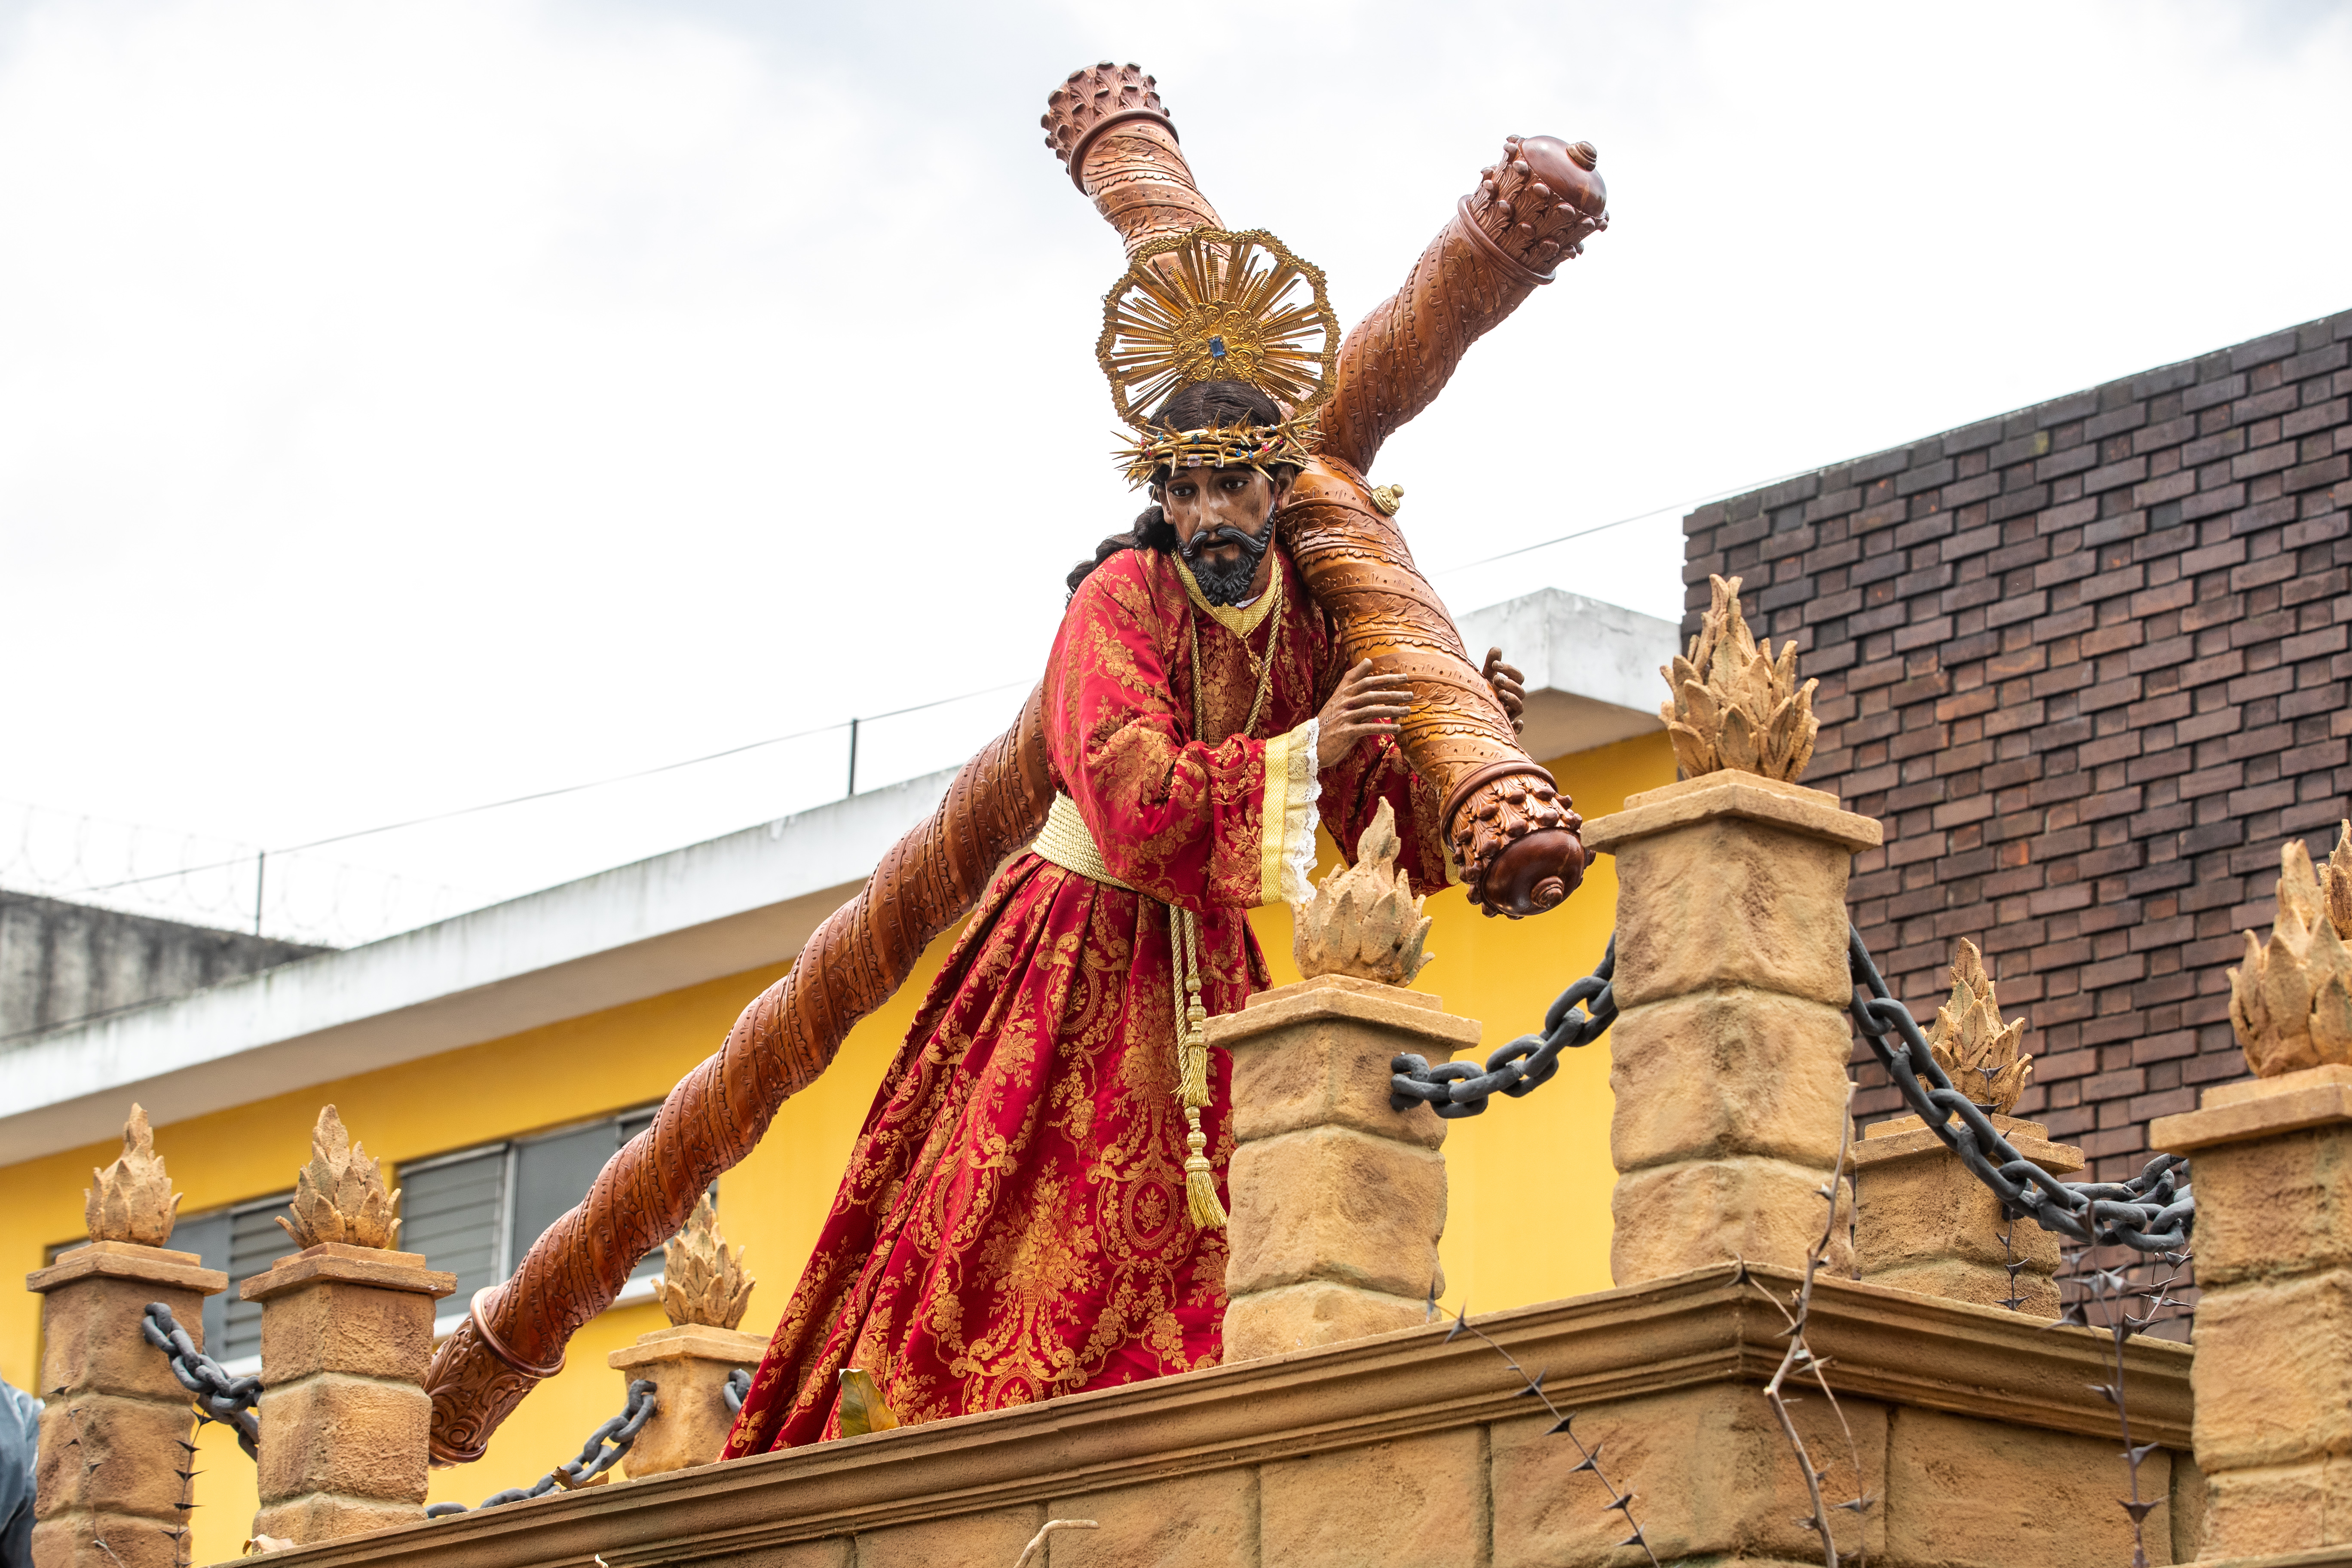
(1250, 544)
(1225, 582)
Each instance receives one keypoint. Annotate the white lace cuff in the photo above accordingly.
(1287, 842)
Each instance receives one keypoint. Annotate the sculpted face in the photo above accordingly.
(1224, 519)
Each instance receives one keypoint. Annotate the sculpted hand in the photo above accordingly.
(1505, 680)
(1364, 705)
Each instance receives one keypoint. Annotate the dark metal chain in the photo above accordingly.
(600, 1453)
(219, 1398)
(1459, 1088)
(737, 1389)
(2153, 1212)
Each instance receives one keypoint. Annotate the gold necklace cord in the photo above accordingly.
(1261, 668)
(1184, 944)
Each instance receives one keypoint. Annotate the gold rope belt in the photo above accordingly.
(1065, 842)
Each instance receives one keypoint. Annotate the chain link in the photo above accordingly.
(1458, 1089)
(2153, 1212)
(600, 1453)
(737, 1389)
(219, 1398)
(231, 1401)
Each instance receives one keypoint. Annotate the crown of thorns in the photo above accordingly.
(1243, 445)
(1210, 305)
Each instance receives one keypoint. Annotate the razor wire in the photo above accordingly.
(295, 895)
(601, 1452)
(1459, 1088)
(160, 873)
(2153, 1212)
(219, 1397)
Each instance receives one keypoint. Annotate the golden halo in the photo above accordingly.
(1229, 307)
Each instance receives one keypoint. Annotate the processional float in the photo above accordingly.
(1513, 838)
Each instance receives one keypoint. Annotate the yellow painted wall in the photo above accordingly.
(1531, 1178)
(1527, 1181)
(571, 1071)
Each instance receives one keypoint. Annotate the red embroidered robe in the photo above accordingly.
(1012, 1225)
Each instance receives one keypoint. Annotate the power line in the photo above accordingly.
(851, 725)
(1740, 489)
(544, 793)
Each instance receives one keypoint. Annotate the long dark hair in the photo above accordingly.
(1200, 407)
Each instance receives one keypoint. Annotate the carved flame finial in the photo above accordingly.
(702, 1281)
(1363, 919)
(1734, 704)
(340, 1195)
(131, 1200)
(1971, 1044)
(2291, 1001)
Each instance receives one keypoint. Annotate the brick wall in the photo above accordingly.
(2089, 663)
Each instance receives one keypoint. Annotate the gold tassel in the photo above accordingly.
(1200, 1185)
(1192, 1074)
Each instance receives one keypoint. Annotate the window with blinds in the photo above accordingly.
(453, 1210)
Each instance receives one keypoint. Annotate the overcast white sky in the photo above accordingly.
(405, 406)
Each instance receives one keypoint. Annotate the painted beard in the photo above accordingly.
(1226, 584)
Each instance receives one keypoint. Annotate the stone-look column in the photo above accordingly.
(1338, 1201)
(1927, 1224)
(687, 1365)
(110, 1460)
(2271, 1166)
(1728, 1057)
(346, 1334)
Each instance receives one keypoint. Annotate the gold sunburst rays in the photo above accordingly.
(1225, 307)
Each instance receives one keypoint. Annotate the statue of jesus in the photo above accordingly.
(1035, 1204)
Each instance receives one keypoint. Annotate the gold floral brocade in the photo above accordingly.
(1013, 1223)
